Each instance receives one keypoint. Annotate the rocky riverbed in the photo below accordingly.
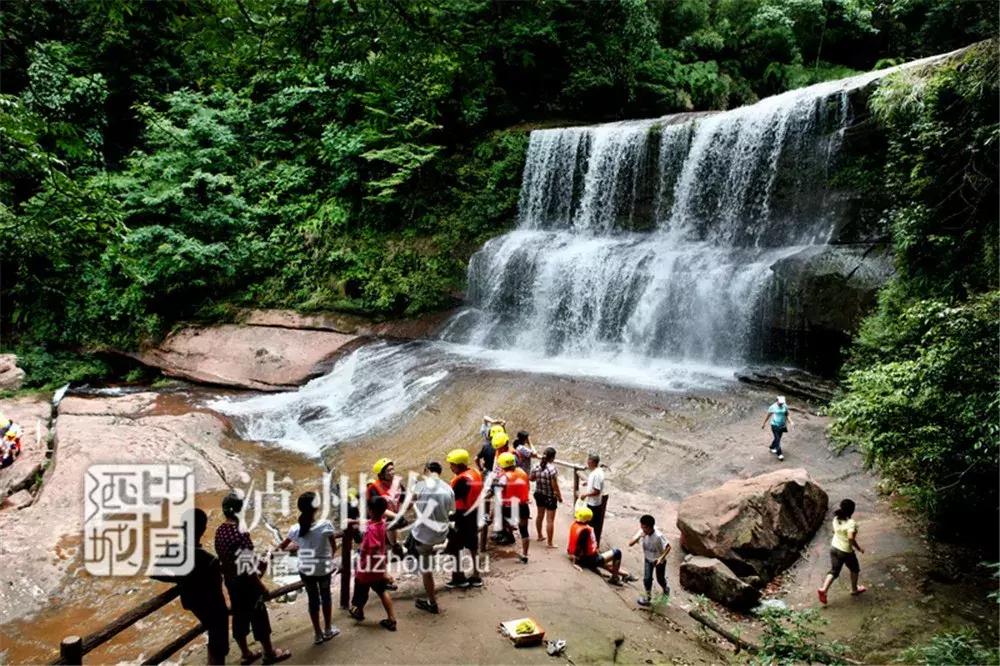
(659, 446)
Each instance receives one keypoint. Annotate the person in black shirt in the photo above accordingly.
(201, 593)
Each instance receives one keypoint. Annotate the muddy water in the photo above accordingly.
(86, 603)
(659, 447)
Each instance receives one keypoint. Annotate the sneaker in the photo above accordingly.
(615, 580)
(318, 639)
(781, 457)
(475, 581)
(822, 596)
(457, 583)
(644, 602)
(523, 558)
(774, 451)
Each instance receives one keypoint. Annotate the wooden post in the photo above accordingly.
(484, 531)
(346, 548)
(576, 489)
(71, 650)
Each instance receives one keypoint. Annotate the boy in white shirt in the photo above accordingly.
(655, 549)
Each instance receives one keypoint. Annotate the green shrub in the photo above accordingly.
(959, 648)
(793, 637)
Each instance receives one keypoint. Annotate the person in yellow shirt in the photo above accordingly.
(842, 550)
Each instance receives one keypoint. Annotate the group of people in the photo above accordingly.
(10, 441)
(448, 516)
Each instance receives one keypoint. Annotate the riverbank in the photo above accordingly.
(659, 447)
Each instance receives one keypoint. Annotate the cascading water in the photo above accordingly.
(643, 254)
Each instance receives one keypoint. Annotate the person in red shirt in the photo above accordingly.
(371, 573)
(514, 490)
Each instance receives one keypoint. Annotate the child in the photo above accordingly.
(371, 572)
(315, 544)
(201, 593)
(655, 549)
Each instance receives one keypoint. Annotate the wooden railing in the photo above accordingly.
(73, 648)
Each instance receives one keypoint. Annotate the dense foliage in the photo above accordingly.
(168, 160)
(794, 637)
(923, 386)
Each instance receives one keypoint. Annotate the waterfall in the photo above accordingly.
(655, 238)
(643, 254)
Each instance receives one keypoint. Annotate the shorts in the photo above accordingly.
(524, 512)
(465, 534)
(546, 502)
(597, 561)
(249, 611)
(360, 595)
(839, 559)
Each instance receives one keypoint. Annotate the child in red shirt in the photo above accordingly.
(371, 574)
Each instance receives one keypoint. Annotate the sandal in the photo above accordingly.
(246, 661)
(822, 596)
(388, 624)
(861, 590)
(279, 655)
(425, 605)
(615, 580)
(356, 613)
(331, 633)
(318, 639)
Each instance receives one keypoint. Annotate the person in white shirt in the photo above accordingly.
(596, 494)
(315, 544)
(434, 502)
(655, 549)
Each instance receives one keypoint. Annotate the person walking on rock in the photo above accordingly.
(655, 549)
(780, 420)
(370, 574)
(842, 550)
(596, 495)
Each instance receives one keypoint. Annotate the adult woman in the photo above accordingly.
(242, 570)
(845, 542)
(547, 494)
(315, 544)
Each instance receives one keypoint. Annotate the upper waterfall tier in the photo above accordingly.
(755, 176)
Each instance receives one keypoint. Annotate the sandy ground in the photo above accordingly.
(659, 447)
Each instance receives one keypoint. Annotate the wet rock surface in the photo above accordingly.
(757, 526)
(790, 381)
(261, 358)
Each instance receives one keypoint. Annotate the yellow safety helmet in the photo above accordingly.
(500, 440)
(458, 457)
(495, 429)
(507, 459)
(584, 514)
(380, 465)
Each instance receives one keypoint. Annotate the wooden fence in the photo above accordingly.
(73, 648)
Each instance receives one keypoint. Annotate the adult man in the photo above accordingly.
(433, 502)
(582, 549)
(596, 494)
(514, 486)
(467, 484)
(780, 421)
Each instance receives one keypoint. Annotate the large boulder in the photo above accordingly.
(11, 376)
(757, 526)
(711, 577)
(263, 358)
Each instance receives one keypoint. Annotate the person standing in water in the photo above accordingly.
(842, 550)
(780, 420)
